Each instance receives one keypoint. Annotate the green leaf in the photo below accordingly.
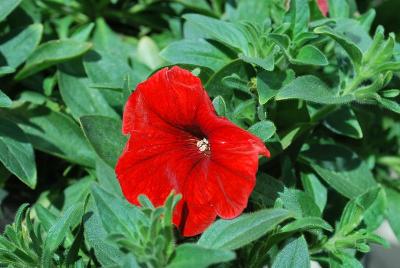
(263, 129)
(352, 49)
(300, 15)
(116, 214)
(307, 223)
(199, 53)
(220, 106)
(393, 210)
(54, 133)
(96, 236)
(268, 83)
(107, 178)
(5, 101)
(7, 6)
(16, 153)
(311, 88)
(390, 105)
(314, 188)
(344, 122)
(293, 255)
(6, 70)
(267, 63)
(299, 203)
(339, 8)
(16, 46)
(233, 234)
(340, 167)
(344, 260)
(105, 135)
(225, 32)
(310, 54)
(192, 255)
(56, 234)
(77, 94)
(51, 53)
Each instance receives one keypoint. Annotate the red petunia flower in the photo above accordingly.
(177, 142)
(323, 6)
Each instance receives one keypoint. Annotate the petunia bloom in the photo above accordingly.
(177, 142)
(323, 6)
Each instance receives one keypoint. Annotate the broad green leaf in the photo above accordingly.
(51, 53)
(6, 70)
(192, 255)
(299, 203)
(300, 15)
(311, 88)
(310, 54)
(105, 135)
(233, 234)
(96, 237)
(393, 210)
(340, 167)
(16, 153)
(344, 122)
(263, 129)
(199, 53)
(267, 63)
(77, 94)
(307, 223)
(352, 49)
(148, 52)
(5, 101)
(54, 133)
(7, 6)
(293, 255)
(259, 11)
(98, 65)
(116, 214)
(107, 178)
(56, 234)
(16, 46)
(225, 32)
(375, 214)
(314, 188)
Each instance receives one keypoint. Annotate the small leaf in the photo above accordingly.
(300, 16)
(57, 233)
(390, 105)
(299, 203)
(293, 255)
(5, 101)
(263, 129)
(16, 153)
(220, 106)
(17, 45)
(148, 52)
(309, 54)
(267, 63)
(192, 255)
(51, 53)
(233, 234)
(7, 6)
(307, 223)
(105, 135)
(314, 188)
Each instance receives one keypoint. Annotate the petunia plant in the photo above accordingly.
(222, 133)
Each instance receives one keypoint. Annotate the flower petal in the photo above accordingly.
(171, 95)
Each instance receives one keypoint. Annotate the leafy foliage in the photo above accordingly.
(322, 93)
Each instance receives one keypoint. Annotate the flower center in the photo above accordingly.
(203, 145)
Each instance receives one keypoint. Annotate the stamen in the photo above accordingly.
(203, 145)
